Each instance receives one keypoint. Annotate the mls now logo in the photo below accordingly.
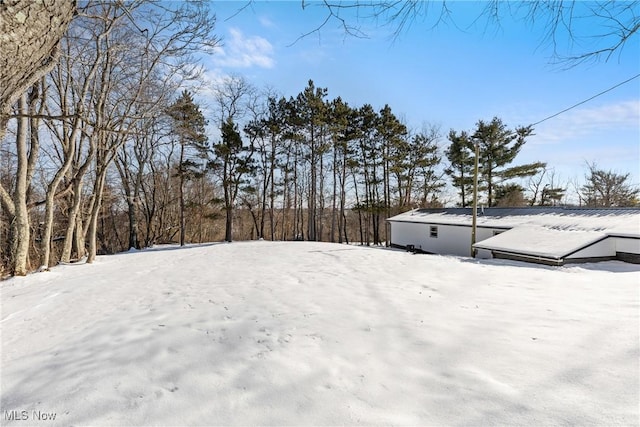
(25, 415)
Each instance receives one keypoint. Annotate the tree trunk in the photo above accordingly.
(272, 192)
(50, 196)
(181, 174)
(342, 220)
(228, 226)
(132, 205)
(30, 32)
(334, 195)
(95, 213)
(79, 240)
(20, 224)
(228, 203)
(73, 217)
(355, 186)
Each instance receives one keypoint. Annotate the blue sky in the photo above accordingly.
(451, 76)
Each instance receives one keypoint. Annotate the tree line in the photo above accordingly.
(111, 150)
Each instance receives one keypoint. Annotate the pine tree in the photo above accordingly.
(499, 147)
(551, 196)
(369, 160)
(342, 134)
(413, 163)
(509, 195)
(393, 135)
(460, 167)
(233, 162)
(189, 127)
(607, 189)
(426, 157)
(311, 119)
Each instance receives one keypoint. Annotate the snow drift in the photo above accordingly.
(263, 333)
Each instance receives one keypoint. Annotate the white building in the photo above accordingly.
(547, 235)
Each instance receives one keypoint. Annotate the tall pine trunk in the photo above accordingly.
(181, 175)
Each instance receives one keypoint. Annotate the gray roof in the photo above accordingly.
(533, 210)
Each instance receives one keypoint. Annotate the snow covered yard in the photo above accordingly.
(263, 333)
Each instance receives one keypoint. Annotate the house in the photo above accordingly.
(546, 235)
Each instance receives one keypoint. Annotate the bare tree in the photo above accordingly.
(545, 188)
(27, 147)
(577, 31)
(129, 57)
(30, 33)
(233, 96)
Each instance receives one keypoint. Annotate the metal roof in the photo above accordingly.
(531, 210)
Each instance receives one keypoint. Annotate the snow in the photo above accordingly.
(298, 333)
(541, 241)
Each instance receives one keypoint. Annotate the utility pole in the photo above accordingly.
(475, 200)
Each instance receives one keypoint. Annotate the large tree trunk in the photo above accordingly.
(73, 217)
(30, 32)
(20, 224)
(181, 176)
(98, 190)
(27, 147)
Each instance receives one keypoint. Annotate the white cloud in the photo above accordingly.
(577, 123)
(266, 22)
(606, 134)
(240, 51)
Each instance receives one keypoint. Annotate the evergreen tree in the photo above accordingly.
(342, 134)
(233, 162)
(426, 157)
(189, 127)
(509, 195)
(608, 189)
(369, 160)
(268, 132)
(393, 134)
(311, 118)
(551, 196)
(499, 146)
(413, 163)
(459, 154)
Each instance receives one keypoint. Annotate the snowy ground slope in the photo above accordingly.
(264, 333)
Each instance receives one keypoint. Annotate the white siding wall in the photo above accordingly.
(603, 248)
(407, 233)
(631, 246)
(451, 240)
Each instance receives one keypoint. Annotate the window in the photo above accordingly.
(433, 231)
